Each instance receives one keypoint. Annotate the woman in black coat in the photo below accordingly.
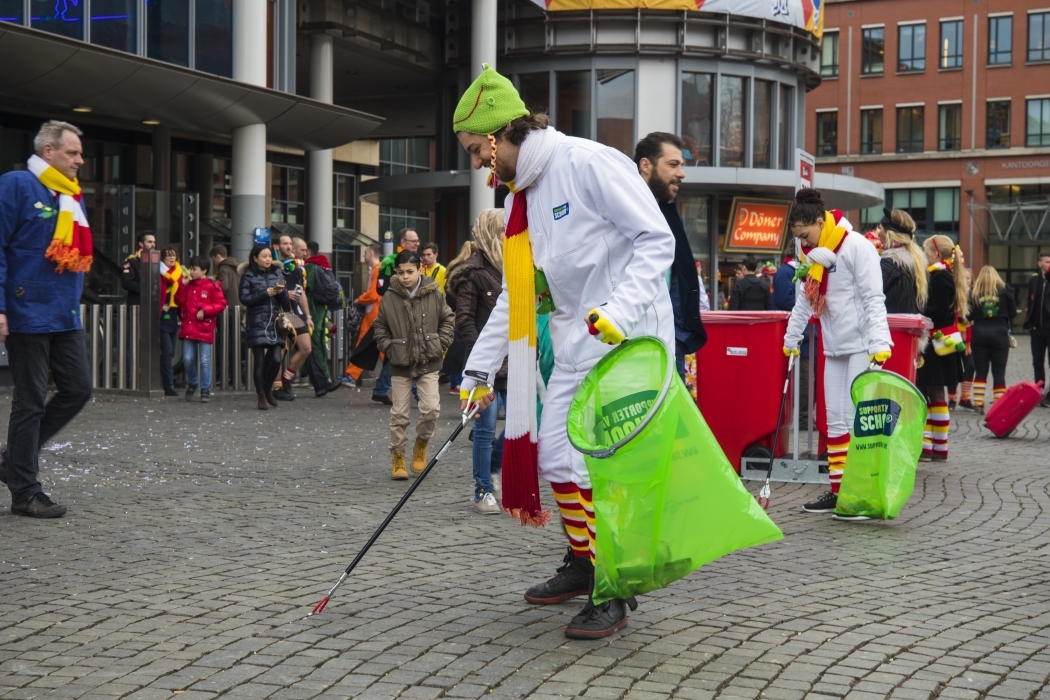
(262, 292)
(992, 308)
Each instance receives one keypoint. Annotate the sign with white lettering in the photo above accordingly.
(757, 226)
(1025, 164)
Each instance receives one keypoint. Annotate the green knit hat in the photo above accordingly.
(488, 105)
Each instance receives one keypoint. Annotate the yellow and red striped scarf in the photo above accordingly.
(71, 247)
(521, 488)
(815, 286)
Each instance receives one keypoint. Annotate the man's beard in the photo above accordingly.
(662, 190)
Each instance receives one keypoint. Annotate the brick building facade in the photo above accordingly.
(946, 103)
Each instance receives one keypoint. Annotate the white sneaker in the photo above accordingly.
(497, 486)
(487, 505)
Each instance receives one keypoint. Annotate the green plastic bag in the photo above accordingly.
(885, 446)
(666, 499)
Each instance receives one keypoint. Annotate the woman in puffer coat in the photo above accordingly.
(413, 329)
(262, 292)
(476, 285)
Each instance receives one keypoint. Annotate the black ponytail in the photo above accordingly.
(808, 207)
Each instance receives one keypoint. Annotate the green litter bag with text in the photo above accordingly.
(666, 500)
(885, 446)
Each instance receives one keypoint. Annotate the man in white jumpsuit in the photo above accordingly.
(599, 238)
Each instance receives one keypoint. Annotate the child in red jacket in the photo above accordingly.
(201, 301)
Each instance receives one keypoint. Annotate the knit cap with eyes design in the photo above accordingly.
(488, 105)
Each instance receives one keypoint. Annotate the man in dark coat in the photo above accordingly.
(1037, 317)
(750, 293)
(131, 278)
(659, 160)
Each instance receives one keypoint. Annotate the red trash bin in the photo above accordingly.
(740, 379)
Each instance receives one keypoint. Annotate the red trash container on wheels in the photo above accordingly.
(740, 378)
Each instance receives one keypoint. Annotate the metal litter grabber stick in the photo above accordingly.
(472, 407)
(763, 495)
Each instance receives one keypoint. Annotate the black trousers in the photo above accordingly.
(33, 422)
(267, 365)
(991, 345)
(1040, 344)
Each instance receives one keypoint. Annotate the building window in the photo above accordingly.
(935, 210)
(213, 38)
(872, 50)
(615, 107)
(909, 129)
(1039, 36)
(343, 202)
(401, 156)
(949, 127)
(998, 124)
(785, 110)
(763, 136)
(393, 219)
(911, 48)
(870, 132)
(1000, 40)
(535, 91)
(12, 11)
(221, 188)
(829, 55)
(950, 54)
(62, 18)
(827, 133)
(1037, 123)
(167, 31)
(574, 103)
(732, 114)
(697, 119)
(286, 195)
(114, 25)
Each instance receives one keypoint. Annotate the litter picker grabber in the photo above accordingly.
(472, 407)
(763, 495)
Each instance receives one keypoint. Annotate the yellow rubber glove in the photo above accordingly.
(880, 358)
(788, 352)
(604, 328)
(479, 390)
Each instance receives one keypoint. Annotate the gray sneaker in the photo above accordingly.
(487, 505)
(496, 478)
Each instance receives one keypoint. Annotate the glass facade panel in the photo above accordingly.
(732, 121)
(343, 202)
(827, 133)
(1039, 36)
(615, 106)
(695, 211)
(909, 129)
(870, 132)
(213, 43)
(872, 50)
(286, 192)
(950, 54)
(393, 219)
(911, 48)
(167, 31)
(785, 156)
(222, 188)
(1000, 40)
(935, 210)
(949, 127)
(535, 91)
(396, 157)
(574, 103)
(697, 112)
(829, 55)
(12, 11)
(1037, 123)
(763, 136)
(998, 125)
(113, 24)
(62, 17)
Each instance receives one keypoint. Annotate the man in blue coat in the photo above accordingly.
(44, 248)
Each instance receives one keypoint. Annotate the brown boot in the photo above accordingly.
(419, 456)
(398, 470)
(269, 397)
(262, 403)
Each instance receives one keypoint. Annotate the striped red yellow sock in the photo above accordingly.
(567, 496)
(587, 504)
(927, 437)
(838, 447)
(998, 391)
(967, 391)
(953, 395)
(939, 423)
(979, 387)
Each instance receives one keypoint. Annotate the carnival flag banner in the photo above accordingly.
(885, 447)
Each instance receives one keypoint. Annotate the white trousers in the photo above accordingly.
(559, 462)
(839, 373)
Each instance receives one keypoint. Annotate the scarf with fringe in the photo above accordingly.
(831, 237)
(173, 275)
(70, 247)
(521, 489)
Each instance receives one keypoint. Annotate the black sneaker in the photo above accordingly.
(170, 391)
(336, 384)
(38, 506)
(598, 621)
(967, 404)
(1045, 403)
(383, 399)
(190, 391)
(205, 395)
(952, 405)
(284, 394)
(824, 504)
(574, 578)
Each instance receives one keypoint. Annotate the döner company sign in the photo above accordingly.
(757, 226)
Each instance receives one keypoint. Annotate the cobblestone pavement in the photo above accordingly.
(199, 536)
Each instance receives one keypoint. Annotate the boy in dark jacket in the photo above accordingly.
(413, 330)
(201, 301)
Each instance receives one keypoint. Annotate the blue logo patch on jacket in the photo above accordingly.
(561, 211)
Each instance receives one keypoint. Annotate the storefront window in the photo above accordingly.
(213, 42)
(872, 50)
(732, 121)
(343, 202)
(696, 117)
(286, 192)
(949, 127)
(912, 48)
(763, 138)
(909, 129)
(951, 51)
(786, 160)
(62, 17)
(113, 24)
(167, 31)
(535, 91)
(1037, 123)
(998, 124)
(828, 133)
(615, 105)
(871, 131)
(12, 11)
(695, 211)
(1000, 40)
(574, 103)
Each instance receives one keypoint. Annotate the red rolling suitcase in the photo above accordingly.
(1012, 407)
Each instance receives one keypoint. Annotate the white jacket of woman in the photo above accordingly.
(600, 239)
(854, 318)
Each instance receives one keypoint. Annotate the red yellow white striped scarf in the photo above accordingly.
(71, 248)
(174, 278)
(832, 235)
